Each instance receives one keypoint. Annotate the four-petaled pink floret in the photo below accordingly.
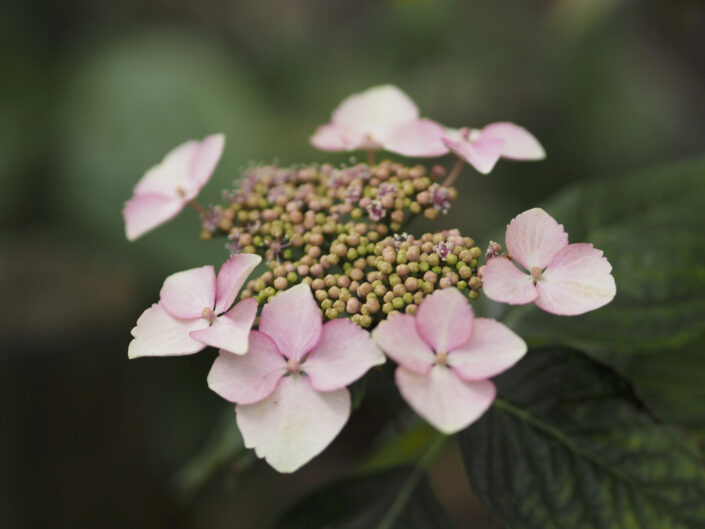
(194, 311)
(446, 357)
(561, 278)
(290, 388)
(166, 188)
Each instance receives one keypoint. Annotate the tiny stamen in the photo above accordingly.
(293, 367)
(441, 358)
(536, 273)
(208, 315)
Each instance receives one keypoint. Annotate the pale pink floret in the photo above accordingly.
(446, 358)
(166, 188)
(382, 117)
(194, 311)
(290, 388)
(561, 278)
(482, 148)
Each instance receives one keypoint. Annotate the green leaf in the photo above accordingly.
(569, 446)
(398, 498)
(649, 225)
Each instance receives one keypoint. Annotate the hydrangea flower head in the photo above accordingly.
(446, 357)
(290, 387)
(561, 278)
(167, 187)
(194, 311)
(482, 148)
(382, 117)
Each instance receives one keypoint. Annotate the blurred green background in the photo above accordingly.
(94, 92)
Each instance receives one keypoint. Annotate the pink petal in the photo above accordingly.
(447, 402)
(246, 379)
(577, 280)
(185, 294)
(293, 320)
(534, 237)
(205, 159)
(184, 170)
(231, 330)
(492, 349)
(343, 354)
(231, 277)
(482, 153)
(372, 112)
(294, 424)
(421, 137)
(519, 143)
(445, 320)
(143, 213)
(158, 333)
(502, 281)
(333, 138)
(400, 340)
(171, 174)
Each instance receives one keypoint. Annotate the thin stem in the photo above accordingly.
(197, 207)
(370, 157)
(454, 172)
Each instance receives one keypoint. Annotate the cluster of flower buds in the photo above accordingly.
(368, 281)
(278, 211)
(337, 255)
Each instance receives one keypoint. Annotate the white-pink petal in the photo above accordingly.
(418, 138)
(445, 320)
(293, 320)
(533, 238)
(519, 143)
(185, 294)
(231, 277)
(372, 112)
(231, 330)
(502, 281)
(205, 160)
(158, 333)
(184, 170)
(142, 213)
(331, 137)
(399, 338)
(447, 402)
(492, 349)
(294, 424)
(577, 280)
(482, 153)
(250, 378)
(343, 354)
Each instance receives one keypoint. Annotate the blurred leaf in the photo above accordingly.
(399, 498)
(568, 445)
(403, 449)
(224, 446)
(649, 225)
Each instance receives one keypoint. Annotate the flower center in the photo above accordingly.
(536, 273)
(441, 358)
(293, 367)
(208, 315)
(181, 192)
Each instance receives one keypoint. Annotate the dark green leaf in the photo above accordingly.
(225, 445)
(649, 225)
(569, 446)
(398, 498)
